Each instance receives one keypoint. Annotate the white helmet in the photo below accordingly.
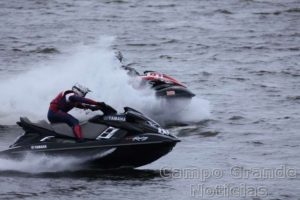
(80, 90)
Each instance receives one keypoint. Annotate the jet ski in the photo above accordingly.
(112, 140)
(165, 86)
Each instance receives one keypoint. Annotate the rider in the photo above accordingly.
(67, 100)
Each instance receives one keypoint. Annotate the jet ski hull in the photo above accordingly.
(132, 156)
(172, 92)
(97, 155)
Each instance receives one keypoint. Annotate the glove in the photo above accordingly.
(100, 104)
(92, 108)
(106, 109)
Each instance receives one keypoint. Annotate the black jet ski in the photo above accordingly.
(129, 139)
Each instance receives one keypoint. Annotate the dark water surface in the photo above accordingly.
(241, 55)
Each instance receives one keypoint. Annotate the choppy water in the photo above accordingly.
(242, 56)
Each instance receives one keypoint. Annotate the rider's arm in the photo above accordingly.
(81, 100)
(81, 106)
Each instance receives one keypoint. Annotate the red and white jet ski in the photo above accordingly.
(166, 86)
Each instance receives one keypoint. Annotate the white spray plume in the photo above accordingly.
(29, 94)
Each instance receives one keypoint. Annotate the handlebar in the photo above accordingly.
(106, 109)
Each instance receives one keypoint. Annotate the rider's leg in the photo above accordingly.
(62, 117)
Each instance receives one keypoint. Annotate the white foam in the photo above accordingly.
(40, 163)
(180, 110)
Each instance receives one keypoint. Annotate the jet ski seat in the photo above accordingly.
(89, 130)
(41, 124)
(62, 129)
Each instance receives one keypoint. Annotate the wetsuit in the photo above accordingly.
(62, 104)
